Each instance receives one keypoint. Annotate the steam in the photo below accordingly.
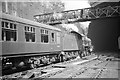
(70, 27)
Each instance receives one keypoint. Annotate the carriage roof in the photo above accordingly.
(26, 21)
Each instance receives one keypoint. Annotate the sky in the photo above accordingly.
(75, 4)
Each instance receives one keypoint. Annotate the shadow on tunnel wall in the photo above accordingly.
(104, 34)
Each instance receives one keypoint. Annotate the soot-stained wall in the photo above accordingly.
(104, 34)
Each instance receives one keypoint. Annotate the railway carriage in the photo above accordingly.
(21, 37)
(25, 42)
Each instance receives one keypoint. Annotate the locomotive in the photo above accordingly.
(28, 43)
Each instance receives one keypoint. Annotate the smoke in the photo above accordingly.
(70, 27)
(85, 25)
(76, 27)
(72, 5)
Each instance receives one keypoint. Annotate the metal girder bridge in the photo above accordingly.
(79, 15)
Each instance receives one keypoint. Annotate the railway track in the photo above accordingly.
(88, 69)
(96, 71)
(40, 71)
(72, 71)
(24, 69)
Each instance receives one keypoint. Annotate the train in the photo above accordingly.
(28, 43)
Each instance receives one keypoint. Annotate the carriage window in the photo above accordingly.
(29, 34)
(3, 23)
(44, 36)
(11, 25)
(8, 32)
(53, 37)
(14, 26)
(58, 38)
(6, 25)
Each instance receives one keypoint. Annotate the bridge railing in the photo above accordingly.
(79, 15)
